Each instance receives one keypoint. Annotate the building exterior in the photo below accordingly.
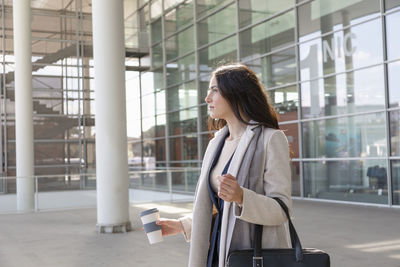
(331, 69)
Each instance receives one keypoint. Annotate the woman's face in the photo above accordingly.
(218, 107)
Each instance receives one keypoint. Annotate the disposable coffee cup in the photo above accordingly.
(153, 231)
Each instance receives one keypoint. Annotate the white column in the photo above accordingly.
(111, 136)
(23, 104)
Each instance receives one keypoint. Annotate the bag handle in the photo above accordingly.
(257, 259)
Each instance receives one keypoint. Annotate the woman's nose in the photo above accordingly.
(207, 99)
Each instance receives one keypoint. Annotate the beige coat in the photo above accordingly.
(262, 165)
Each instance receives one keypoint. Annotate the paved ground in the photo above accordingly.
(353, 235)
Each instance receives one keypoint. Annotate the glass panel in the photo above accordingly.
(295, 169)
(205, 7)
(268, 36)
(219, 53)
(322, 16)
(395, 132)
(392, 36)
(217, 26)
(182, 70)
(148, 105)
(355, 180)
(148, 127)
(341, 51)
(252, 11)
(394, 84)
(183, 121)
(160, 149)
(156, 8)
(160, 102)
(182, 96)
(156, 31)
(285, 101)
(157, 55)
(392, 4)
(183, 148)
(148, 151)
(351, 92)
(396, 181)
(152, 81)
(204, 118)
(355, 136)
(277, 69)
(292, 134)
(205, 138)
(178, 17)
(55, 153)
(160, 125)
(180, 44)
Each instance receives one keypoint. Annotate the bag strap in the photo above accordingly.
(257, 259)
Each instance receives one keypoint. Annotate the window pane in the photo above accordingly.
(396, 181)
(292, 134)
(183, 148)
(148, 105)
(156, 8)
(217, 26)
(151, 81)
(205, 7)
(341, 51)
(148, 150)
(179, 16)
(252, 11)
(277, 69)
(351, 92)
(224, 51)
(285, 101)
(204, 118)
(160, 149)
(182, 96)
(183, 121)
(148, 125)
(392, 4)
(295, 169)
(160, 125)
(268, 36)
(395, 132)
(355, 136)
(394, 84)
(160, 102)
(392, 36)
(180, 44)
(182, 70)
(322, 16)
(156, 31)
(157, 55)
(355, 180)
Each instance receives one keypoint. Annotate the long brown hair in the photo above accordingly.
(242, 89)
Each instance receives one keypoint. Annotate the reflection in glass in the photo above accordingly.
(347, 180)
(160, 102)
(392, 4)
(148, 105)
(156, 8)
(396, 181)
(148, 150)
(148, 126)
(252, 11)
(295, 170)
(160, 149)
(156, 29)
(292, 134)
(217, 54)
(285, 101)
(392, 36)
(179, 16)
(351, 92)
(395, 132)
(205, 138)
(151, 81)
(182, 96)
(277, 69)
(183, 121)
(182, 70)
(184, 148)
(394, 84)
(157, 55)
(160, 125)
(268, 36)
(204, 118)
(355, 136)
(180, 44)
(344, 50)
(322, 16)
(217, 26)
(205, 7)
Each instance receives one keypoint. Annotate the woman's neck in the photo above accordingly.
(236, 128)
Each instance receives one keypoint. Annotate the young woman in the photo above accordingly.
(245, 164)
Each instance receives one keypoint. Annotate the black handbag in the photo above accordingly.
(278, 257)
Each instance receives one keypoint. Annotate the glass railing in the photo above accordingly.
(58, 192)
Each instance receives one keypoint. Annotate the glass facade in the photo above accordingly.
(331, 70)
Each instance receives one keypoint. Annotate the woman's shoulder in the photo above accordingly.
(273, 134)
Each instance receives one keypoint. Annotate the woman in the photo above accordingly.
(245, 164)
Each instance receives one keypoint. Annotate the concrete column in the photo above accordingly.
(23, 104)
(111, 136)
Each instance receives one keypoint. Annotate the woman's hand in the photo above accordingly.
(170, 226)
(229, 189)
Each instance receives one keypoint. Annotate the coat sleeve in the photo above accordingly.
(187, 227)
(262, 209)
